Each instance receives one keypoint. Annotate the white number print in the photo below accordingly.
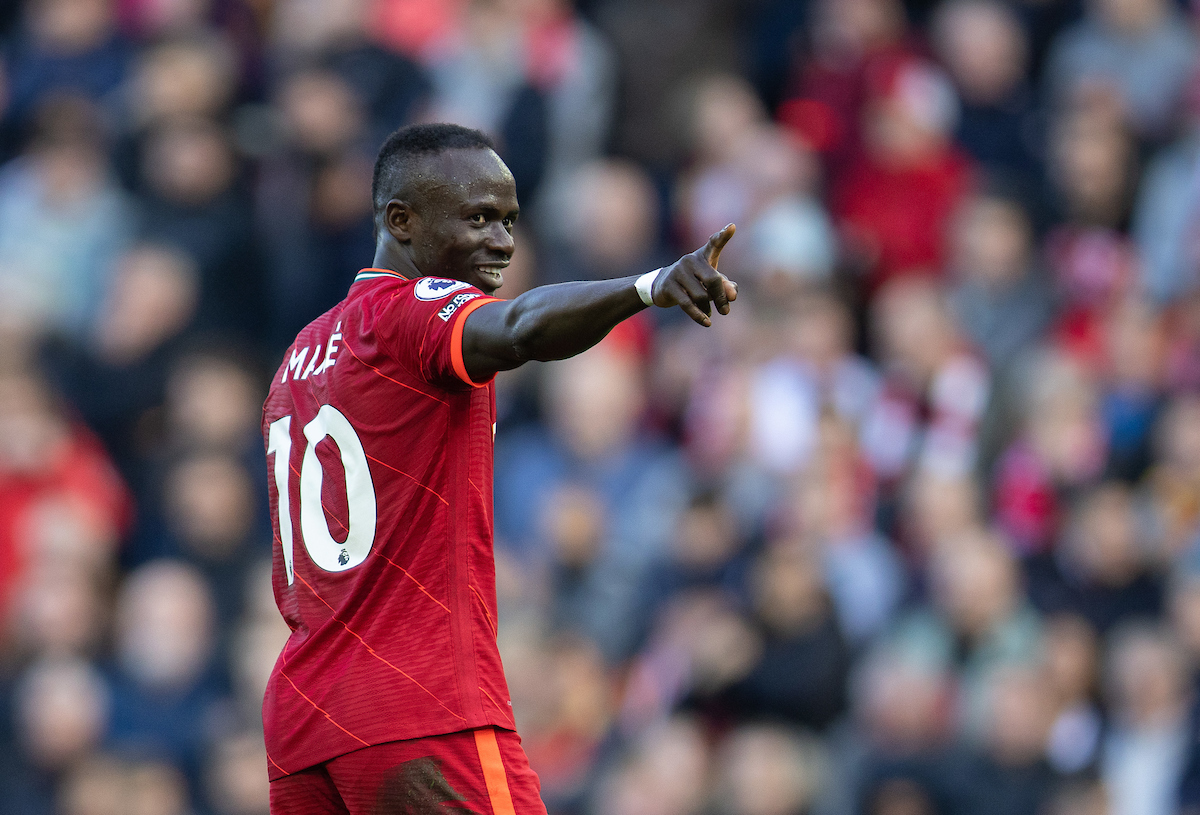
(279, 442)
(326, 552)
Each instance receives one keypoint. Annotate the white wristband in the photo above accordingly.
(645, 286)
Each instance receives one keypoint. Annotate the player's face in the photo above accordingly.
(466, 219)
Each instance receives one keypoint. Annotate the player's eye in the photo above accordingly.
(479, 219)
(509, 223)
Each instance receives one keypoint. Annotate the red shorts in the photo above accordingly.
(483, 771)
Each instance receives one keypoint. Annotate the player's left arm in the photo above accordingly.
(564, 319)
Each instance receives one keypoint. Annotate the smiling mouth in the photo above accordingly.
(492, 272)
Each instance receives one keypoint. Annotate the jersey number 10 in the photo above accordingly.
(324, 550)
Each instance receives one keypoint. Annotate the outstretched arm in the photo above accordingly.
(559, 321)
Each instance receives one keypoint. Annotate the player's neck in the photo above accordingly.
(391, 256)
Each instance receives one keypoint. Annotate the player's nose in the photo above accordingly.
(500, 240)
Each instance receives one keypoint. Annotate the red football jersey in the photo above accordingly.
(380, 449)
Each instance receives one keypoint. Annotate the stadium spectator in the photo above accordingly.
(851, 43)
(1104, 571)
(700, 644)
(1001, 298)
(1170, 485)
(660, 57)
(892, 205)
(768, 770)
(253, 644)
(605, 197)
(750, 171)
(209, 504)
(896, 751)
(575, 69)
(233, 784)
(165, 687)
(667, 772)
(810, 373)
(1058, 450)
(212, 401)
(116, 380)
(1071, 671)
(61, 610)
(1164, 213)
(707, 551)
(61, 711)
(1183, 361)
(1008, 772)
(1145, 750)
(64, 221)
(799, 676)
(322, 169)
(832, 510)
(191, 76)
(195, 201)
(1093, 262)
(479, 79)
(986, 51)
(1139, 52)
(980, 622)
(935, 387)
(570, 737)
(1135, 344)
(936, 508)
(64, 47)
(64, 502)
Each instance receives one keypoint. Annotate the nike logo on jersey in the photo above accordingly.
(435, 288)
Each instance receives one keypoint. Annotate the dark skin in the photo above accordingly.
(455, 220)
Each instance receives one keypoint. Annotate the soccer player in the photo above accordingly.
(389, 696)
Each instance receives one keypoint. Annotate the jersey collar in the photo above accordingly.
(372, 274)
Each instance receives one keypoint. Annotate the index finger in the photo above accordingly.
(711, 251)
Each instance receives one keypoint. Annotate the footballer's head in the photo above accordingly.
(445, 205)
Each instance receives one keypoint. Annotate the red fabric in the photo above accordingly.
(817, 124)
(840, 89)
(1094, 269)
(1080, 333)
(634, 336)
(401, 643)
(1026, 501)
(358, 782)
(414, 27)
(551, 50)
(898, 216)
(78, 471)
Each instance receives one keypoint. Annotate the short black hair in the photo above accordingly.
(391, 167)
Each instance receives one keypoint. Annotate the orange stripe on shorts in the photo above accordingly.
(493, 771)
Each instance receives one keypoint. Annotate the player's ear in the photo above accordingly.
(398, 220)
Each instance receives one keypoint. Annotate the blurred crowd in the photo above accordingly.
(914, 531)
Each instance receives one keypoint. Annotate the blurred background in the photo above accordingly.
(914, 531)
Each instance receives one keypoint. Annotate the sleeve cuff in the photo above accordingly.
(456, 341)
